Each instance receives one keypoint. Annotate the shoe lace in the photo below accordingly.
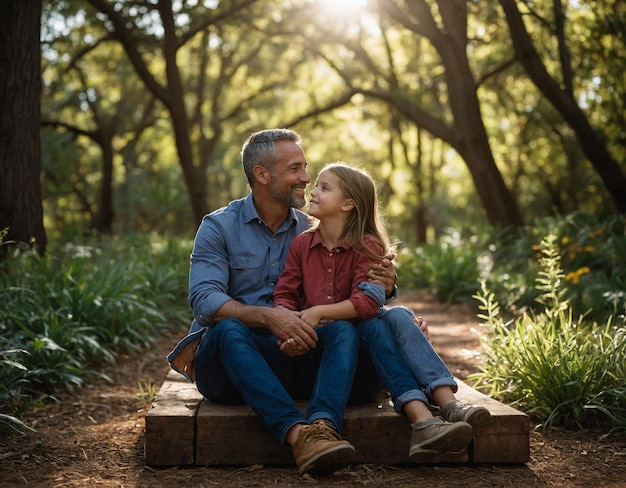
(321, 431)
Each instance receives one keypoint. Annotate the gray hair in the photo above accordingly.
(260, 149)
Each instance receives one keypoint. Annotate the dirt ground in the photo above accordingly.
(95, 436)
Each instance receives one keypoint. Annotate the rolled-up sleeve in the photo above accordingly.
(209, 272)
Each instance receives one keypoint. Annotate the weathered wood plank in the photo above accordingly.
(170, 423)
(381, 436)
(506, 439)
(234, 435)
(183, 429)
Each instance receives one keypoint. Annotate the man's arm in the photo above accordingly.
(210, 288)
(284, 324)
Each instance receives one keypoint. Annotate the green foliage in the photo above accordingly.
(146, 393)
(591, 251)
(564, 372)
(448, 269)
(66, 315)
(294, 69)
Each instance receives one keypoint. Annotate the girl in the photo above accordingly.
(324, 278)
(325, 271)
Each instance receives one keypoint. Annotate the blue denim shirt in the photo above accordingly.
(236, 256)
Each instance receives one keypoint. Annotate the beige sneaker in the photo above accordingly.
(436, 436)
(319, 448)
(458, 411)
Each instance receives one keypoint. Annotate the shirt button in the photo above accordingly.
(328, 297)
(330, 254)
(273, 265)
(330, 270)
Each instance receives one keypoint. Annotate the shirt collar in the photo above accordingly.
(316, 240)
(251, 214)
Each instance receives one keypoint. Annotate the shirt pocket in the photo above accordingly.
(245, 265)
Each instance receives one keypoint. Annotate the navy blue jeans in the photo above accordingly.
(236, 364)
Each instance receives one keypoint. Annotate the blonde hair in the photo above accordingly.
(364, 218)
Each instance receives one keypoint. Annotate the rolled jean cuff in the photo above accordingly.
(449, 381)
(409, 396)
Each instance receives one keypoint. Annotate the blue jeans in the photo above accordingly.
(403, 357)
(418, 353)
(237, 364)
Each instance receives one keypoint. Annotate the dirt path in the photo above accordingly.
(95, 437)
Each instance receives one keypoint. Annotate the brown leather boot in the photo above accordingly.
(319, 448)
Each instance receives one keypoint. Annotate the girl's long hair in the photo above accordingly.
(365, 217)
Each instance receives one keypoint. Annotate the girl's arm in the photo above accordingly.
(359, 305)
(318, 314)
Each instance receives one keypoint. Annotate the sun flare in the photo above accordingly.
(343, 7)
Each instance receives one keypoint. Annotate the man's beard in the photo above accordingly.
(288, 198)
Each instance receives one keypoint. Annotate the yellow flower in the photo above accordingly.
(564, 240)
(574, 276)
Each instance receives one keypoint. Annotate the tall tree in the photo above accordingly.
(448, 106)
(170, 88)
(20, 91)
(561, 96)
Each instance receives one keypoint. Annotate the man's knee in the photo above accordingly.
(228, 328)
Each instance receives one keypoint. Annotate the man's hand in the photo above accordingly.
(422, 324)
(295, 336)
(382, 273)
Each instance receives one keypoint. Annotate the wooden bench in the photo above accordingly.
(184, 429)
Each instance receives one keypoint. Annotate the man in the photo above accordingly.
(232, 349)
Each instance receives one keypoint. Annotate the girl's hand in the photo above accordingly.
(287, 324)
(312, 316)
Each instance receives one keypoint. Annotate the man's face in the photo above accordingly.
(289, 177)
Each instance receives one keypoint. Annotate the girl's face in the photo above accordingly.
(327, 198)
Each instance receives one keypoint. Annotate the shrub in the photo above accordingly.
(448, 269)
(563, 372)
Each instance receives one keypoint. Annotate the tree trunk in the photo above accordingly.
(471, 139)
(103, 222)
(20, 152)
(195, 179)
